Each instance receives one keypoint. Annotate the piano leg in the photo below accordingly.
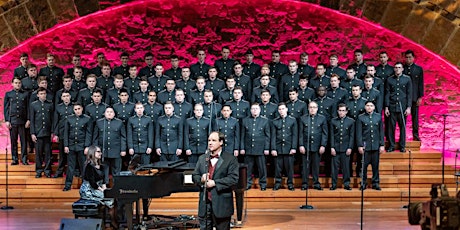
(129, 214)
(239, 196)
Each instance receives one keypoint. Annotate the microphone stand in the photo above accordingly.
(409, 170)
(205, 189)
(7, 207)
(362, 184)
(457, 173)
(307, 206)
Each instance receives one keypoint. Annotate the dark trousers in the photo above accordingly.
(396, 117)
(111, 164)
(286, 162)
(372, 157)
(355, 157)
(207, 222)
(260, 161)
(30, 143)
(145, 159)
(15, 132)
(43, 155)
(168, 157)
(414, 115)
(313, 163)
(342, 160)
(76, 159)
(62, 158)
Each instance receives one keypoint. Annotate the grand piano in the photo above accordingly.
(169, 178)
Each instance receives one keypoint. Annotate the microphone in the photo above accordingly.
(207, 153)
(364, 145)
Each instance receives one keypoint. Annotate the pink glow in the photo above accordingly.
(165, 27)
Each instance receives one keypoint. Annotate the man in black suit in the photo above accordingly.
(217, 173)
(415, 72)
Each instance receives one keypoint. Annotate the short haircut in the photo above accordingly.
(148, 54)
(358, 51)
(123, 90)
(341, 105)
(124, 54)
(292, 90)
(409, 52)
(174, 56)
(24, 55)
(40, 89)
(41, 78)
(118, 77)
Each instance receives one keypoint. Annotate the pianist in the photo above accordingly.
(217, 173)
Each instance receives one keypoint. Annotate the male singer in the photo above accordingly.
(217, 173)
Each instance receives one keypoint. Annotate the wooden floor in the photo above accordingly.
(266, 215)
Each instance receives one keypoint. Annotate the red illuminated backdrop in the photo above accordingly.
(166, 27)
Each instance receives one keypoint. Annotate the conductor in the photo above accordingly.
(217, 173)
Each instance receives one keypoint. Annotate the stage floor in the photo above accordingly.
(264, 215)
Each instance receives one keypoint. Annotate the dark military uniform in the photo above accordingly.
(110, 135)
(84, 96)
(384, 71)
(287, 82)
(284, 138)
(187, 86)
(360, 69)
(306, 95)
(140, 131)
(154, 110)
(212, 109)
(225, 95)
(347, 84)
(85, 71)
(40, 115)
(169, 136)
(111, 97)
(124, 111)
(157, 83)
(306, 70)
(77, 136)
(313, 133)
(104, 83)
(183, 110)
(142, 97)
(415, 72)
(251, 69)
(342, 138)
(256, 92)
(147, 71)
(34, 97)
(278, 69)
(317, 81)
(196, 97)
(53, 76)
(398, 96)
(96, 112)
(374, 95)
(245, 83)
(240, 109)
(165, 95)
(61, 112)
(355, 107)
(29, 84)
(224, 67)
(21, 72)
(79, 84)
(123, 70)
(215, 86)
(269, 110)
(199, 69)
(297, 108)
(15, 110)
(196, 133)
(96, 70)
(326, 107)
(231, 130)
(73, 96)
(255, 139)
(369, 134)
(175, 74)
(339, 95)
(273, 82)
(337, 70)
(132, 84)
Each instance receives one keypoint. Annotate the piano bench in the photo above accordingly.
(89, 209)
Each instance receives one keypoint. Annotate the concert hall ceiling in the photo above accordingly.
(167, 27)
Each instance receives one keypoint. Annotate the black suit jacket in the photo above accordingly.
(226, 175)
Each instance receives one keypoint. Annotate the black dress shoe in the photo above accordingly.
(317, 187)
(66, 189)
(347, 187)
(333, 187)
(291, 187)
(276, 187)
(363, 187)
(376, 187)
(403, 150)
(57, 175)
(304, 187)
(14, 163)
(48, 175)
(263, 188)
(38, 175)
(25, 163)
(389, 150)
